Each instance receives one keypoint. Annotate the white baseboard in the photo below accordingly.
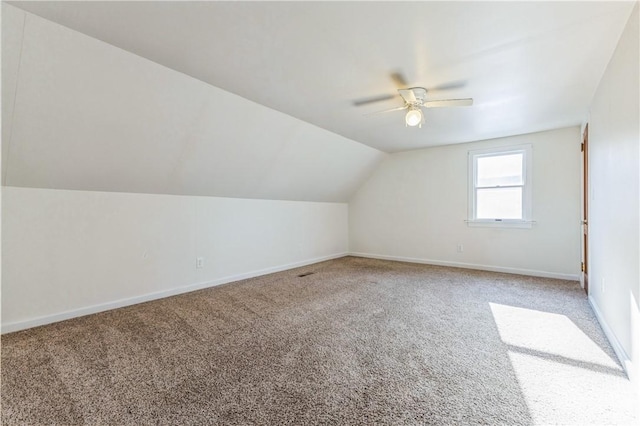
(88, 310)
(625, 360)
(530, 272)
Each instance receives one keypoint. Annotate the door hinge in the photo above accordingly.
(582, 147)
(581, 266)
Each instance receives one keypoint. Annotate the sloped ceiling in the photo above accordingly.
(82, 114)
(530, 66)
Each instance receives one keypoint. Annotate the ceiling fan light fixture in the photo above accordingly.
(413, 117)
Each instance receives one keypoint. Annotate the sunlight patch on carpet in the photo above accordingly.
(547, 332)
(553, 358)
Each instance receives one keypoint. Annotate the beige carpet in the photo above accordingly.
(359, 341)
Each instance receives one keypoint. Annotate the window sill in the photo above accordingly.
(523, 224)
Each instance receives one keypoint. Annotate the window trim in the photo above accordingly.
(527, 189)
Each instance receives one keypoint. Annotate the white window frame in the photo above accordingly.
(527, 189)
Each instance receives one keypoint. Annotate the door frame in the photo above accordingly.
(584, 222)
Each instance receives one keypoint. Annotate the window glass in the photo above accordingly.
(499, 203)
(500, 170)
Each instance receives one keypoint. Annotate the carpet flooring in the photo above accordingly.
(357, 341)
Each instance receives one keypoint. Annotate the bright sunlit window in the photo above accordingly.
(500, 187)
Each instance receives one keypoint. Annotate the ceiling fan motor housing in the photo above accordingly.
(413, 95)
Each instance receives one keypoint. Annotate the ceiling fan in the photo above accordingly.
(415, 99)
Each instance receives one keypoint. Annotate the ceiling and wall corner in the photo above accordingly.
(82, 114)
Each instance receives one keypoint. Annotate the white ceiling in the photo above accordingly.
(529, 66)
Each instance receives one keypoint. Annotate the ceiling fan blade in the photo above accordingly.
(373, 99)
(388, 110)
(448, 103)
(448, 86)
(399, 80)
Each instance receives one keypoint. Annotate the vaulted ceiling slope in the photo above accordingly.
(530, 66)
(82, 114)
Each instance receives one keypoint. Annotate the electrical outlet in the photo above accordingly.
(459, 248)
(199, 262)
(602, 285)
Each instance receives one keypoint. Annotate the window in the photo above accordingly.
(500, 187)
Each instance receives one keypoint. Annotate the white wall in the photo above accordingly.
(82, 114)
(614, 164)
(414, 207)
(68, 253)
